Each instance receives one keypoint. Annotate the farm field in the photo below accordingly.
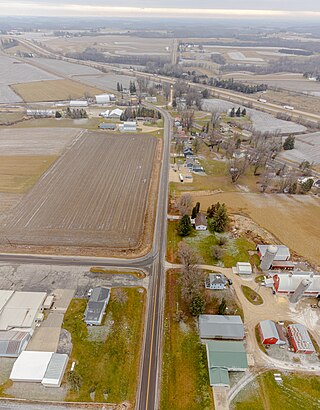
(35, 141)
(19, 173)
(112, 44)
(261, 121)
(288, 81)
(53, 90)
(84, 123)
(8, 117)
(14, 71)
(65, 68)
(106, 81)
(94, 195)
(8, 96)
(292, 219)
(306, 147)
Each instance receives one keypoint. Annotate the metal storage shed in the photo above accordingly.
(55, 370)
(221, 327)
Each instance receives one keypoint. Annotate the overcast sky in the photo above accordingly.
(168, 8)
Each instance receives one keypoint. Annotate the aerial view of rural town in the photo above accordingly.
(159, 205)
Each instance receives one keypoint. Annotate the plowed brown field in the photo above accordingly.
(94, 195)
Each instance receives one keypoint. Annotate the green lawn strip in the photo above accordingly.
(173, 240)
(98, 269)
(297, 392)
(111, 366)
(185, 379)
(252, 296)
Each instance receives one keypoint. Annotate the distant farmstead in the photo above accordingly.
(128, 126)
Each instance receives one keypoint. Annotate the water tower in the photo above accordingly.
(302, 287)
(268, 257)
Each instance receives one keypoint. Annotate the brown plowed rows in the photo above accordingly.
(95, 194)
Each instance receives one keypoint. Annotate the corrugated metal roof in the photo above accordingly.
(99, 294)
(97, 304)
(12, 342)
(21, 310)
(226, 354)
(219, 326)
(290, 281)
(301, 337)
(283, 251)
(269, 329)
(219, 376)
(56, 366)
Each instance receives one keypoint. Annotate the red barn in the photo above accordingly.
(300, 339)
(269, 333)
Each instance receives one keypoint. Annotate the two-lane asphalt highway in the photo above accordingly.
(153, 263)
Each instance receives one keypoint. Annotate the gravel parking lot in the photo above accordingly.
(47, 278)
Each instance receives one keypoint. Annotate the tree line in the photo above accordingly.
(230, 84)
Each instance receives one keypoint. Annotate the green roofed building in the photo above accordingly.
(219, 377)
(224, 356)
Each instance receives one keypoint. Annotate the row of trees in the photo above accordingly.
(230, 84)
(239, 113)
(75, 113)
(131, 114)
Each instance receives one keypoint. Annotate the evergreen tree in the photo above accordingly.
(58, 114)
(197, 305)
(307, 185)
(244, 112)
(232, 112)
(238, 112)
(219, 221)
(184, 226)
(118, 87)
(289, 143)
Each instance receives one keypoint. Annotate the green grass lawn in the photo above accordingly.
(185, 379)
(252, 296)
(235, 250)
(173, 240)
(298, 392)
(111, 366)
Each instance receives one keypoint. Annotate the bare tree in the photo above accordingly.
(192, 276)
(215, 119)
(238, 166)
(265, 181)
(143, 84)
(187, 117)
(184, 204)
